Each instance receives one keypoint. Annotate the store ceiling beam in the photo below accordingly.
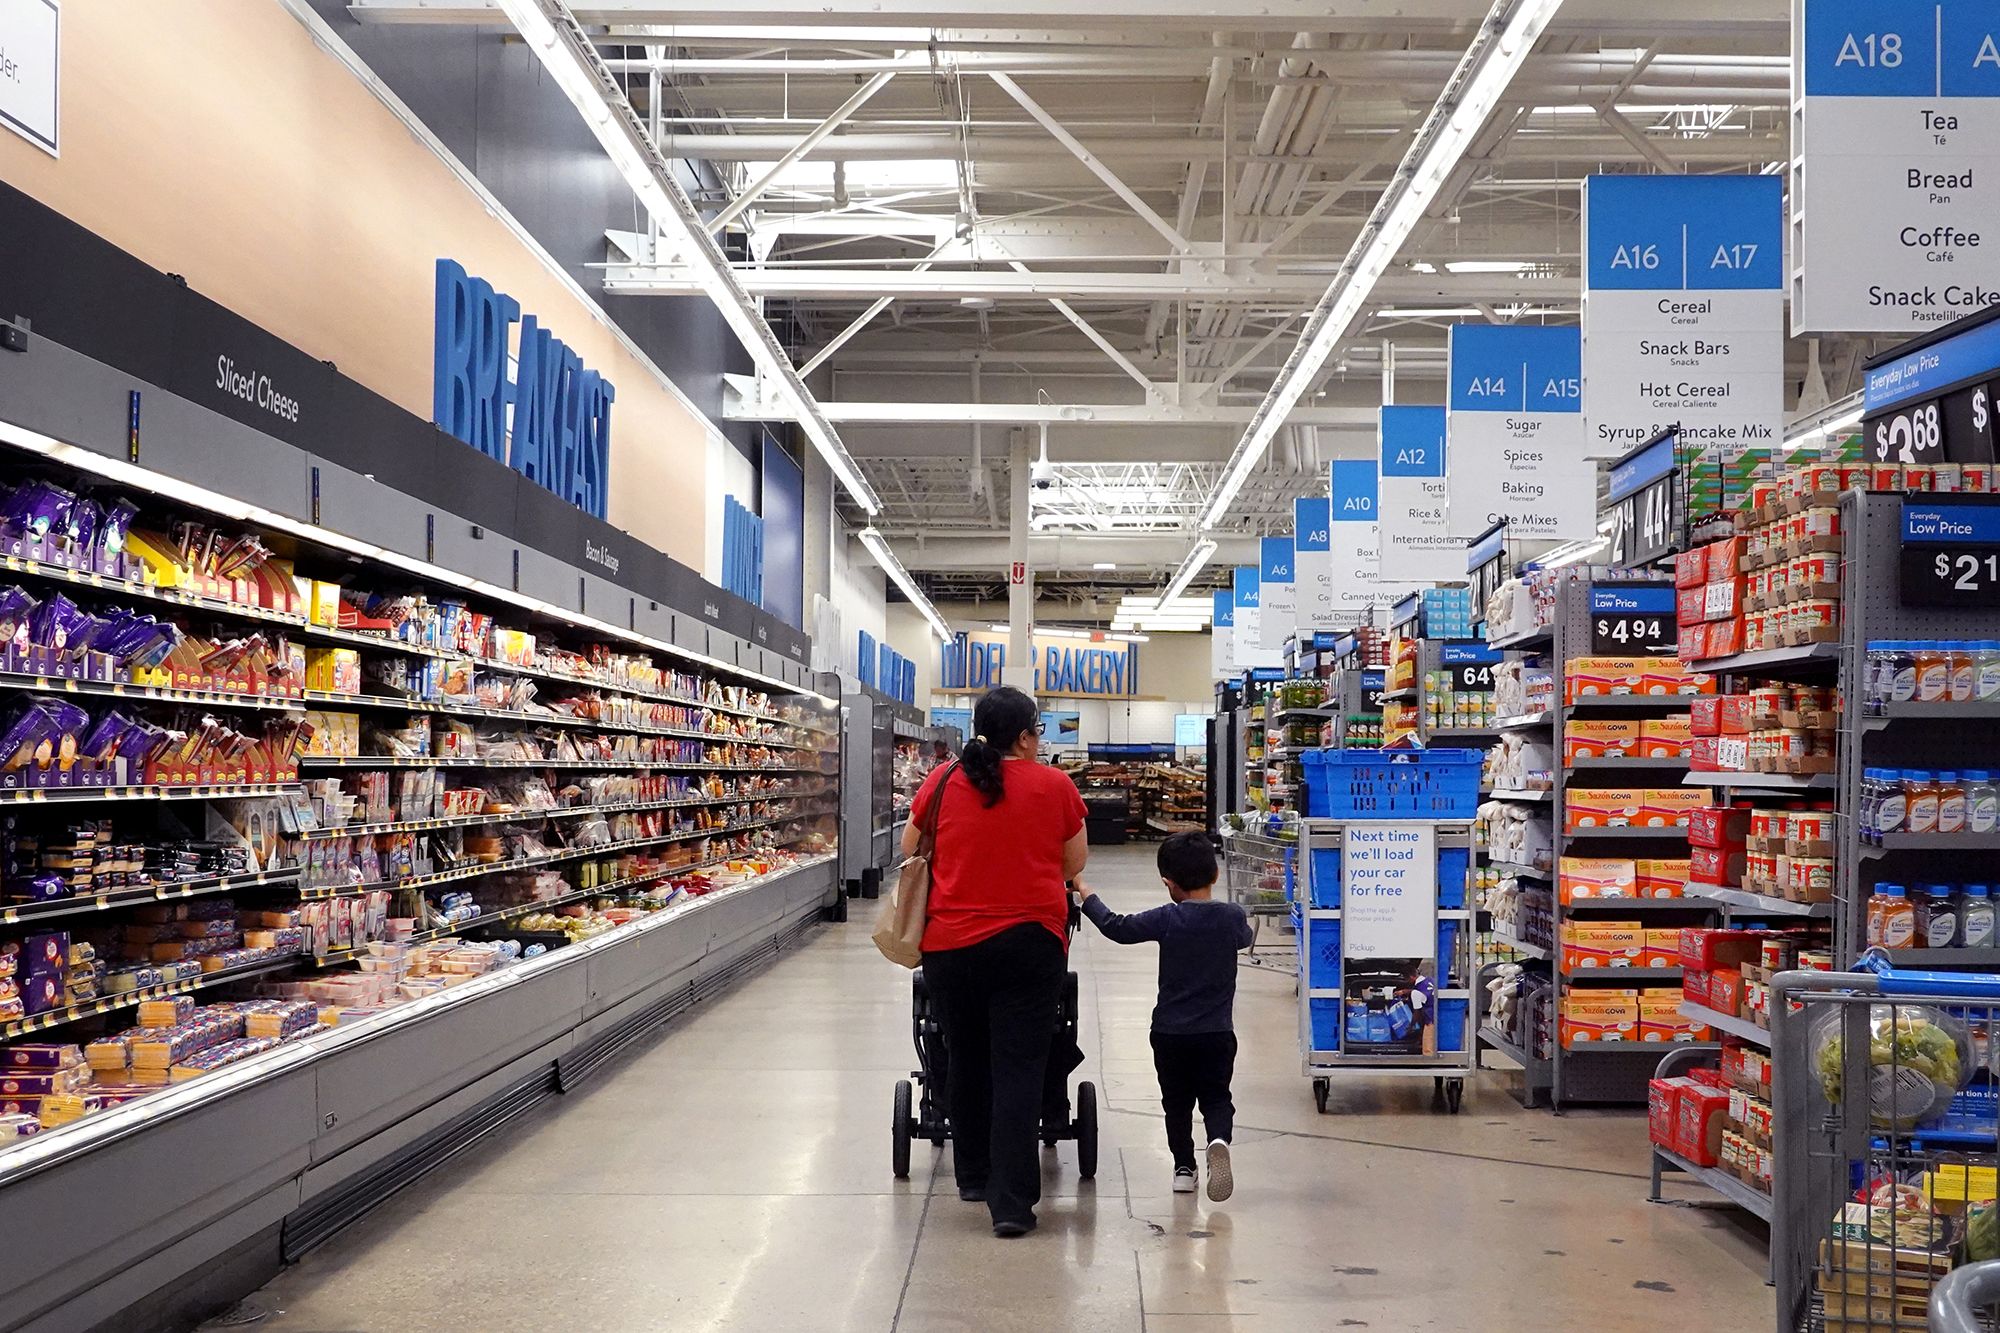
(934, 553)
(1198, 281)
(809, 141)
(1345, 151)
(740, 403)
(1583, 16)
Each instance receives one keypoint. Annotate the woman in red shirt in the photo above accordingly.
(1009, 832)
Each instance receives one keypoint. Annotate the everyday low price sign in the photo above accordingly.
(1388, 891)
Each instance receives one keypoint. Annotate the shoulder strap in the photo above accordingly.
(927, 832)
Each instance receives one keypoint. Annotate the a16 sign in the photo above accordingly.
(1632, 620)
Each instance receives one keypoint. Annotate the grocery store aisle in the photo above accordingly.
(735, 1174)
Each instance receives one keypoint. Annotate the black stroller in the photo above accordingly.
(921, 1114)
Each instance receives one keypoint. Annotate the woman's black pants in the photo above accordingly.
(997, 1003)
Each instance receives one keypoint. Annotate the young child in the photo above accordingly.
(1194, 1037)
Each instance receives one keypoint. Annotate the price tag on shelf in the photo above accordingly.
(1951, 553)
(1373, 687)
(1632, 620)
(1470, 664)
(1644, 502)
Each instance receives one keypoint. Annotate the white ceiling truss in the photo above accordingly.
(972, 217)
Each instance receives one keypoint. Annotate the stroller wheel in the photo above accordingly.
(1086, 1130)
(899, 1143)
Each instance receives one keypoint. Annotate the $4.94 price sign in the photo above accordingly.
(1951, 553)
(1632, 620)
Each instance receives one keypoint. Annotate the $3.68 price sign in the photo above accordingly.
(1909, 435)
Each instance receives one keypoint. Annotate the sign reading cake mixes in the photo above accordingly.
(1515, 432)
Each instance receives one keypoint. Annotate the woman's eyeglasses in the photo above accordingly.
(1041, 728)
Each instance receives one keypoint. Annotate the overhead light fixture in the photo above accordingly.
(1831, 420)
(878, 546)
(1183, 576)
(1490, 63)
(1105, 564)
(553, 34)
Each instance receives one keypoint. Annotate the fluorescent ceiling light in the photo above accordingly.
(553, 34)
(1183, 576)
(1491, 61)
(878, 546)
(1831, 420)
(1429, 312)
(1104, 564)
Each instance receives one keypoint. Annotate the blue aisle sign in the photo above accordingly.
(1417, 541)
(1896, 164)
(1515, 432)
(1279, 596)
(558, 433)
(1225, 609)
(1683, 310)
(1312, 561)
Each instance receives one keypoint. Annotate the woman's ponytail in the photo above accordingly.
(998, 720)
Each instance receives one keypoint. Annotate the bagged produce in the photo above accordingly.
(1918, 1057)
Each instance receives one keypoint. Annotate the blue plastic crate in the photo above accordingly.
(1325, 877)
(1451, 1018)
(1447, 948)
(1322, 970)
(1453, 866)
(1326, 1024)
(1392, 784)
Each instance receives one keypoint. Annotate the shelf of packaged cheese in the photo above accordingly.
(70, 1013)
(1728, 1186)
(484, 868)
(134, 895)
(42, 569)
(1764, 781)
(605, 686)
(208, 792)
(400, 704)
(1930, 842)
(1809, 659)
(532, 816)
(21, 680)
(1757, 903)
(1729, 1023)
(619, 765)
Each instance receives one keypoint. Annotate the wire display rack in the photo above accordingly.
(1885, 1180)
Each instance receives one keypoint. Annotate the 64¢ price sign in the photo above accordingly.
(1951, 553)
(1470, 664)
(1632, 620)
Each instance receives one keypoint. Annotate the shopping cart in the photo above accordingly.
(1258, 874)
(1957, 1302)
(1886, 1102)
(920, 1098)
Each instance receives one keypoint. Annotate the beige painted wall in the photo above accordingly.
(213, 139)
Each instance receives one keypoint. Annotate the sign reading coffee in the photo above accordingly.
(560, 436)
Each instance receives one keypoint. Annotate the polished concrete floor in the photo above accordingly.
(735, 1174)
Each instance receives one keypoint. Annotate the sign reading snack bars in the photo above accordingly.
(31, 71)
(1279, 614)
(1355, 536)
(1895, 164)
(1515, 432)
(1683, 310)
(1417, 540)
(1312, 562)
